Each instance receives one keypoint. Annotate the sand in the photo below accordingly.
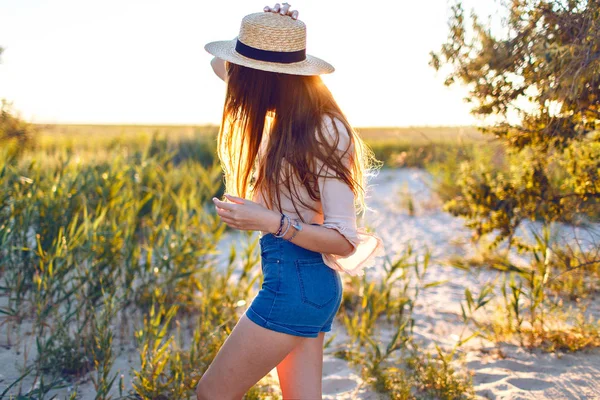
(499, 372)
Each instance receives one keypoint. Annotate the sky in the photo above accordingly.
(143, 61)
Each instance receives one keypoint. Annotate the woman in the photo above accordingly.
(281, 128)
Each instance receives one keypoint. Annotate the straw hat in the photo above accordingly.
(270, 42)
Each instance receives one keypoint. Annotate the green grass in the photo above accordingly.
(85, 245)
(396, 147)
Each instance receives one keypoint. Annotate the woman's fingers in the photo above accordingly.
(223, 212)
(224, 204)
(283, 10)
(228, 219)
(229, 222)
(226, 212)
(235, 199)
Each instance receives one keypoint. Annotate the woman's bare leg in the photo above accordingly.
(300, 373)
(247, 355)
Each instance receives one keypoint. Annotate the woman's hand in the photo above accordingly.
(247, 215)
(283, 10)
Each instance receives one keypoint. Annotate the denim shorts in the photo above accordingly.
(300, 294)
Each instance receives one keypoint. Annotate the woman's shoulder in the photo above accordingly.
(335, 131)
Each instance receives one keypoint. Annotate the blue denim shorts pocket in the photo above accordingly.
(318, 286)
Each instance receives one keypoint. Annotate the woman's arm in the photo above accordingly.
(245, 214)
(319, 239)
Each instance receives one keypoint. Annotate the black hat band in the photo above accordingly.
(284, 57)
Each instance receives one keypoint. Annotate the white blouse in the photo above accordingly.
(336, 211)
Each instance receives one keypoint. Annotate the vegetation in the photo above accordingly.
(400, 368)
(89, 250)
(105, 248)
(14, 132)
(538, 77)
(543, 68)
(396, 147)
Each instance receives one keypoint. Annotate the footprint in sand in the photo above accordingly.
(486, 394)
(482, 378)
(530, 383)
(513, 366)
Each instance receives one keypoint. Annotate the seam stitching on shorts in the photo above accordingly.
(278, 283)
(303, 325)
(340, 294)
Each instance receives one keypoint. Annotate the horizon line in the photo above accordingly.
(217, 125)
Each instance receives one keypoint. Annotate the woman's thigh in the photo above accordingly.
(300, 373)
(248, 354)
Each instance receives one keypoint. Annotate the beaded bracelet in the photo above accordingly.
(280, 225)
(286, 229)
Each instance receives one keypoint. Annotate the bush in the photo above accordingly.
(14, 129)
(547, 57)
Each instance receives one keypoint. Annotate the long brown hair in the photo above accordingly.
(292, 108)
